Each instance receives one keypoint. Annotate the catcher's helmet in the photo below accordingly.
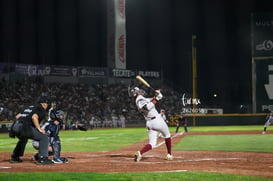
(53, 103)
(57, 115)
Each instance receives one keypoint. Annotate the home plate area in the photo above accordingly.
(242, 163)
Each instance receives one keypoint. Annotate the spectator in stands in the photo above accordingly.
(79, 101)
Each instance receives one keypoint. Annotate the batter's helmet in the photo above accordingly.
(135, 91)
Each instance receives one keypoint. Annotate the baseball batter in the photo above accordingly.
(154, 122)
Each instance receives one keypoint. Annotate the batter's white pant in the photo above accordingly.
(154, 126)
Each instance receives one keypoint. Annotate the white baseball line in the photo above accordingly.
(4, 167)
(161, 143)
(173, 171)
(191, 160)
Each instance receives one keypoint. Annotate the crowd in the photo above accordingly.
(99, 105)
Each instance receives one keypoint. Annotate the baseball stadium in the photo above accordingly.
(132, 90)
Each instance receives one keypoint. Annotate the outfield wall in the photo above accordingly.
(225, 119)
(196, 120)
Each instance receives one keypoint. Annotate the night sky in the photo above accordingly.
(159, 32)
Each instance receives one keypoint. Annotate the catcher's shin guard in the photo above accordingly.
(57, 150)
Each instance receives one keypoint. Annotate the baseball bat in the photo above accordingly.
(139, 78)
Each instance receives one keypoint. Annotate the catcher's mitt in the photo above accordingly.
(83, 127)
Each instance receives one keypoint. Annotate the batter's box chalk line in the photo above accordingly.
(161, 143)
(176, 160)
(120, 155)
(4, 167)
(171, 171)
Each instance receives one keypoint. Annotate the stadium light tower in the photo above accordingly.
(194, 75)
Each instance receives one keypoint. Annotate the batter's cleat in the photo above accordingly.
(169, 157)
(263, 132)
(16, 160)
(137, 156)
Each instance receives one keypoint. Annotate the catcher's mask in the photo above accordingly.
(57, 115)
(135, 91)
(53, 104)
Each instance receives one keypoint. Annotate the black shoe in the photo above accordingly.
(15, 160)
(44, 161)
(35, 157)
(50, 153)
(64, 160)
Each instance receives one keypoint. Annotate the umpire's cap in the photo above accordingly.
(44, 99)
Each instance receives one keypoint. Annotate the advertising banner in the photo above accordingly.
(92, 72)
(28, 69)
(61, 71)
(120, 35)
(116, 34)
(262, 34)
(125, 73)
(264, 85)
(45, 70)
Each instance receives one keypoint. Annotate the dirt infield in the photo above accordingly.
(243, 163)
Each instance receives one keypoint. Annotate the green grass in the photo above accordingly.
(227, 128)
(101, 139)
(112, 139)
(140, 176)
(87, 141)
(255, 143)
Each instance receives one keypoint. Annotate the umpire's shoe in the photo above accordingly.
(35, 157)
(15, 160)
(44, 161)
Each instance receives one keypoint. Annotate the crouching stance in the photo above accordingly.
(154, 122)
(52, 128)
(27, 126)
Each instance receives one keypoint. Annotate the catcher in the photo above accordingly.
(52, 128)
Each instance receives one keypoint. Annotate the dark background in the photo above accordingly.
(159, 32)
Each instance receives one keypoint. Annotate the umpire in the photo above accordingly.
(181, 121)
(27, 126)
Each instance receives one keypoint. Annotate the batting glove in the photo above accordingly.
(158, 96)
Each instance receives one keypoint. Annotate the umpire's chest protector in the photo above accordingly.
(26, 118)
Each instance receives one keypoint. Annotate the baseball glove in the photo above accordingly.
(83, 127)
